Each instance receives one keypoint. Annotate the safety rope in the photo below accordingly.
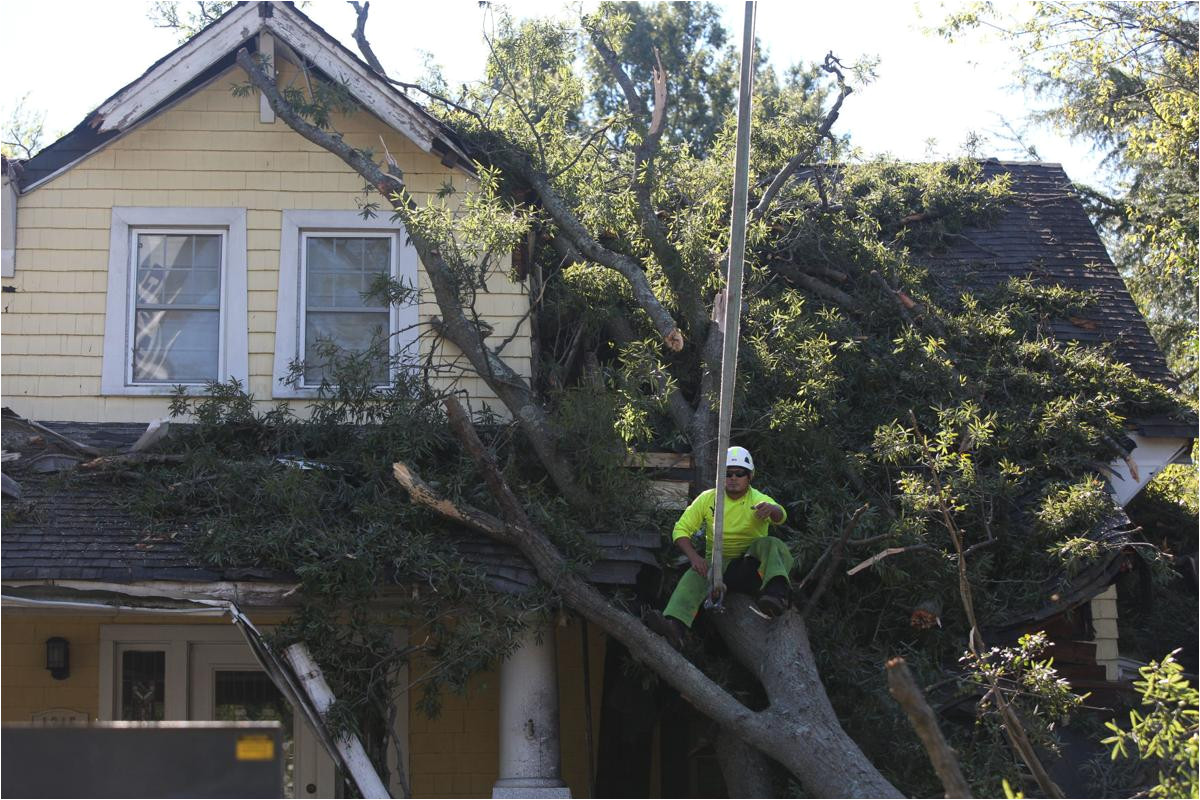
(731, 324)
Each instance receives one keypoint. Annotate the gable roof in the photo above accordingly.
(1045, 235)
(213, 51)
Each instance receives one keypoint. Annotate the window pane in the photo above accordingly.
(143, 685)
(175, 346)
(179, 269)
(242, 695)
(350, 331)
(340, 269)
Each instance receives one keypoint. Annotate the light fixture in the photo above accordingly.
(58, 657)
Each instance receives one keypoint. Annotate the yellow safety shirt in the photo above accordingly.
(742, 525)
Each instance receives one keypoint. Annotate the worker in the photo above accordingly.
(758, 564)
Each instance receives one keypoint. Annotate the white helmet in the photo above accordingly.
(739, 457)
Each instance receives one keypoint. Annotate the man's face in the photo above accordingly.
(737, 482)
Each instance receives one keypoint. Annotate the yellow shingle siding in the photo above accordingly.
(209, 150)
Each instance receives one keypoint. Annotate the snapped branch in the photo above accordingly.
(643, 177)
(832, 66)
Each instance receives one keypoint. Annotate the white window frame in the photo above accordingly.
(233, 347)
(296, 226)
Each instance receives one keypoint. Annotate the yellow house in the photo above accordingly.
(181, 234)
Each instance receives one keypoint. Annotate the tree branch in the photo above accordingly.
(468, 516)
(836, 556)
(832, 66)
(508, 385)
(571, 228)
(360, 36)
(924, 722)
(643, 178)
(815, 285)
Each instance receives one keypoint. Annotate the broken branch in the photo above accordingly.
(839, 548)
(902, 687)
(129, 460)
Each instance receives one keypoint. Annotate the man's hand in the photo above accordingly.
(697, 561)
(766, 510)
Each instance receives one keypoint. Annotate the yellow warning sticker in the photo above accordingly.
(255, 748)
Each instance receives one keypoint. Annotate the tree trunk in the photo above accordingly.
(747, 772)
(807, 737)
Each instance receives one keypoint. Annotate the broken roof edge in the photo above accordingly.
(250, 594)
(180, 72)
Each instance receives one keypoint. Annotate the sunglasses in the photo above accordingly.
(736, 473)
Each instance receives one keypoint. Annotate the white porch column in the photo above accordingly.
(529, 752)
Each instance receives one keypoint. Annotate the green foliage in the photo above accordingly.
(189, 20)
(1043, 702)
(1165, 733)
(312, 497)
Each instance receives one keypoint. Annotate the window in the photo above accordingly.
(328, 261)
(337, 272)
(176, 310)
(157, 673)
(175, 327)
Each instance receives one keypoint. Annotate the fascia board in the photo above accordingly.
(177, 69)
(358, 79)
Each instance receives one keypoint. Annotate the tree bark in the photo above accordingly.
(747, 772)
(804, 725)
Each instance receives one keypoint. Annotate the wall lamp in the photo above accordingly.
(58, 657)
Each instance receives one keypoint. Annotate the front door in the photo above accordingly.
(227, 685)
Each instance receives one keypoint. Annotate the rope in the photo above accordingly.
(733, 302)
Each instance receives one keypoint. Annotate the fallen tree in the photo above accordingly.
(852, 358)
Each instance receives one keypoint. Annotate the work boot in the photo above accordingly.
(671, 629)
(774, 598)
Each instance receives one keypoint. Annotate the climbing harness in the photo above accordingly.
(731, 318)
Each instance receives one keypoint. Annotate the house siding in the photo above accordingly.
(26, 685)
(455, 754)
(209, 150)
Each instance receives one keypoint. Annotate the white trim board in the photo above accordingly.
(164, 79)
(233, 359)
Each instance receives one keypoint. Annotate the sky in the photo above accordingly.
(929, 98)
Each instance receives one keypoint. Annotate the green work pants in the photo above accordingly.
(774, 560)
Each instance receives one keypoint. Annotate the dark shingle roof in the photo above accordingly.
(70, 526)
(1045, 235)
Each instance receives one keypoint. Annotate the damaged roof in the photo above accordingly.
(68, 525)
(1045, 235)
(213, 51)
